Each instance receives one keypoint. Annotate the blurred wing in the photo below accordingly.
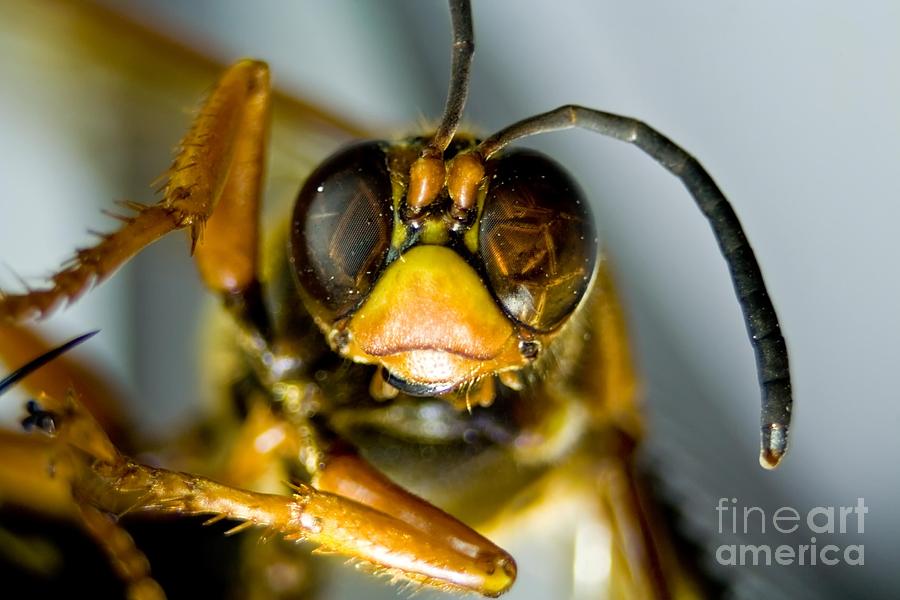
(153, 82)
(91, 106)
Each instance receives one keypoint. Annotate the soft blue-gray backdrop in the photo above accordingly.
(793, 107)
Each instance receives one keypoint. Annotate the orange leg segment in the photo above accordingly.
(345, 473)
(340, 472)
(130, 563)
(213, 190)
(220, 163)
(646, 563)
(400, 541)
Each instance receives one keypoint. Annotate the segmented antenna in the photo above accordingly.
(759, 314)
(427, 175)
(461, 62)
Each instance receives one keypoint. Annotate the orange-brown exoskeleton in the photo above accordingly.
(435, 328)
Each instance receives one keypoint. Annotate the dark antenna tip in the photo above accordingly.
(773, 445)
(36, 363)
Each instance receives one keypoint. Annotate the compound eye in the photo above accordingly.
(536, 239)
(341, 228)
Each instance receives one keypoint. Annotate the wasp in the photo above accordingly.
(431, 346)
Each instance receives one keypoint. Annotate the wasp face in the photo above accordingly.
(438, 295)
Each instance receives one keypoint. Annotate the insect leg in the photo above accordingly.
(129, 562)
(222, 154)
(644, 559)
(759, 314)
(347, 474)
(36, 472)
(337, 469)
(28, 471)
(642, 564)
(332, 523)
(227, 252)
(85, 464)
(259, 458)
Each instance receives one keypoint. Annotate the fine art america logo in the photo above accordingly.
(826, 521)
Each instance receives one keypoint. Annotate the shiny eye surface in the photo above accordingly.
(341, 227)
(536, 239)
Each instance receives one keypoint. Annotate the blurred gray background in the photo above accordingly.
(794, 108)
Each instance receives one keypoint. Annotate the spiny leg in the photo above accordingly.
(227, 254)
(336, 468)
(759, 314)
(220, 163)
(368, 518)
(345, 473)
(331, 522)
(96, 475)
(25, 480)
(259, 457)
